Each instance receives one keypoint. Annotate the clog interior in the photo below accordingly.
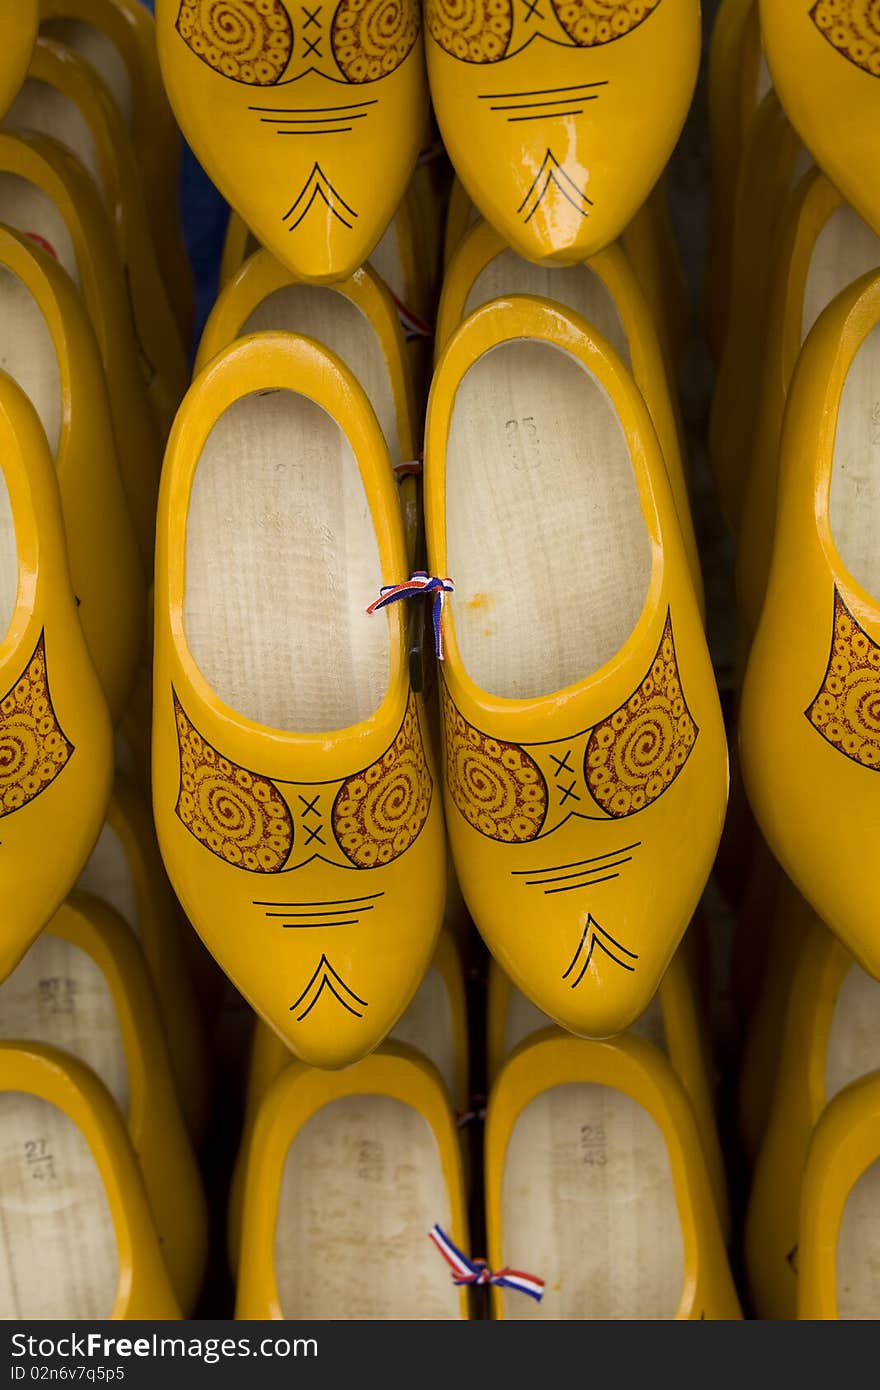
(28, 209)
(281, 561)
(59, 1257)
(854, 1039)
(99, 50)
(27, 353)
(858, 1269)
(533, 441)
(375, 1159)
(587, 1197)
(46, 109)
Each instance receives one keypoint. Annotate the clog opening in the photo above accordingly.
(281, 563)
(588, 1203)
(547, 544)
(374, 1160)
(58, 1256)
(854, 507)
(8, 560)
(46, 109)
(27, 353)
(58, 994)
(576, 286)
(858, 1269)
(100, 52)
(337, 323)
(854, 1038)
(108, 875)
(25, 207)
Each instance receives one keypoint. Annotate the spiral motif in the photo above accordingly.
(237, 815)
(853, 28)
(371, 38)
(846, 710)
(496, 786)
(378, 813)
(33, 747)
(247, 41)
(475, 31)
(634, 755)
(589, 23)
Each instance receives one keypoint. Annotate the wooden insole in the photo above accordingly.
(57, 1243)
(427, 1026)
(362, 1186)
(858, 1250)
(547, 547)
(524, 1018)
(107, 874)
(337, 323)
(387, 261)
(59, 995)
(26, 208)
(576, 286)
(588, 1204)
(49, 111)
(8, 559)
(27, 352)
(854, 1039)
(281, 562)
(100, 52)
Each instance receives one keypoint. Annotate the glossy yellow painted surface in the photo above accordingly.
(824, 58)
(284, 977)
(640, 1071)
(131, 29)
(807, 1007)
(295, 1096)
(144, 1288)
(559, 122)
(160, 347)
(18, 34)
(614, 269)
(810, 779)
(101, 548)
(273, 108)
(154, 1120)
(845, 1142)
(53, 716)
(97, 268)
(543, 941)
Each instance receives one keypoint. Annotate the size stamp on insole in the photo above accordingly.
(40, 1160)
(593, 1151)
(57, 995)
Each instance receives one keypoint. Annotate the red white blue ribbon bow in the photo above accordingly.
(419, 583)
(476, 1272)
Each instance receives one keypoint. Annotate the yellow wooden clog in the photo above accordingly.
(265, 95)
(824, 57)
(19, 36)
(289, 751)
(773, 162)
(77, 1239)
(838, 1213)
(435, 1024)
(84, 986)
(596, 1182)
(49, 348)
(606, 292)
(810, 714)
(585, 768)
(125, 870)
(738, 80)
(823, 247)
(346, 1174)
(671, 1023)
(560, 167)
(831, 1037)
(65, 97)
(118, 38)
(55, 732)
(47, 195)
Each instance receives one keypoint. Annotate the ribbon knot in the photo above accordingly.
(419, 583)
(477, 1272)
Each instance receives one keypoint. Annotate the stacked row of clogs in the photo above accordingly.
(795, 300)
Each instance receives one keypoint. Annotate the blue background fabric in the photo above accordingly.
(204, 215)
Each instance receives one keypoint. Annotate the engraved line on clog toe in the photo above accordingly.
(549, 169)
(347, 910)
(533, 106)
(317, 184)
(326, 978)
(313, 120)
(592, 937)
